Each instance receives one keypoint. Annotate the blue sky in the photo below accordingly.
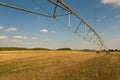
(21, 29)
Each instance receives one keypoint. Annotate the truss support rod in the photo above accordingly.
(78, 27)
(21, 9)
(69, 20)
(58, 5)
(55, 11)
(69, 9)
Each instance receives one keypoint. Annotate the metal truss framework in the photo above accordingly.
(88, 34)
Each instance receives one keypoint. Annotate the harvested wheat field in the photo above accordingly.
(59, 65)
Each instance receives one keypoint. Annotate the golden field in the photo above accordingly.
(59, 65)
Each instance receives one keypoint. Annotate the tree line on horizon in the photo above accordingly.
(18, 48)
(59, 49)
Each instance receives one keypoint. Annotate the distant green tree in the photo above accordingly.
(111, 50)
(16, 48)
(116, 50)
(64, 49)
(39, 49)
(11, 48)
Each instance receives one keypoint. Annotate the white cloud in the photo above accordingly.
(16, 40)
(117, 16)
(3, 37)
(113, 2)
(101, 18)
(53, 32)
(20, 37)
(44, 30)
(34, 38)
(98, 20)
(11, 29)
(1, 27)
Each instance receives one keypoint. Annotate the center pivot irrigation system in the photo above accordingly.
(88, 34)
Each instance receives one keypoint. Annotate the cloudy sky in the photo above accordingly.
(21, 29)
